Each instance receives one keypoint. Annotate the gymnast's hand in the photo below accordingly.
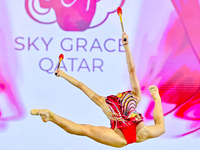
(124, 36)
(58, 72)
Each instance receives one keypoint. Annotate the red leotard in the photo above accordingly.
(124, 116)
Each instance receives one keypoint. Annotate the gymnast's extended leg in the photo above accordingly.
(159, 128)
(102, 135)
(157, 112)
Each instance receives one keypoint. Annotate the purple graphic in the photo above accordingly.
(71, 15)
(10, 107)
(173, 58)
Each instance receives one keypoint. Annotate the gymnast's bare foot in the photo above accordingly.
(154, 92)
(45, 114)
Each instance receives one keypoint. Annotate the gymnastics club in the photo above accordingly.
(61, 57)
(119, 12)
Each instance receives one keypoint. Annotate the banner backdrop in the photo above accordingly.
(164, 38)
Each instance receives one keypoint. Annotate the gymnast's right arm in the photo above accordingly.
(90, 93)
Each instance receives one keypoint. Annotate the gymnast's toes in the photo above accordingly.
(34, 112)
(44, 113)
(154, 91)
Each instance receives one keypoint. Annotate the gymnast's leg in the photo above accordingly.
(157, 112)
(102, 135)
(159, 128)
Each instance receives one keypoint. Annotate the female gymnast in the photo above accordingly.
(127, 124)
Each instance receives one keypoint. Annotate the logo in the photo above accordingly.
(72, 15)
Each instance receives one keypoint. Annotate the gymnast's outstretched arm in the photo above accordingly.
(99, 100)
(131, 68)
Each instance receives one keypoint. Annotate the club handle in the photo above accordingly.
(58, 67)
(122, 27)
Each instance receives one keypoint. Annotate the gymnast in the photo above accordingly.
(127, 124)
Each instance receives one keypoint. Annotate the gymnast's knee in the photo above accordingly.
(86, 129)
(161, 128)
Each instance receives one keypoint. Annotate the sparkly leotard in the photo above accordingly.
(123, 114)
